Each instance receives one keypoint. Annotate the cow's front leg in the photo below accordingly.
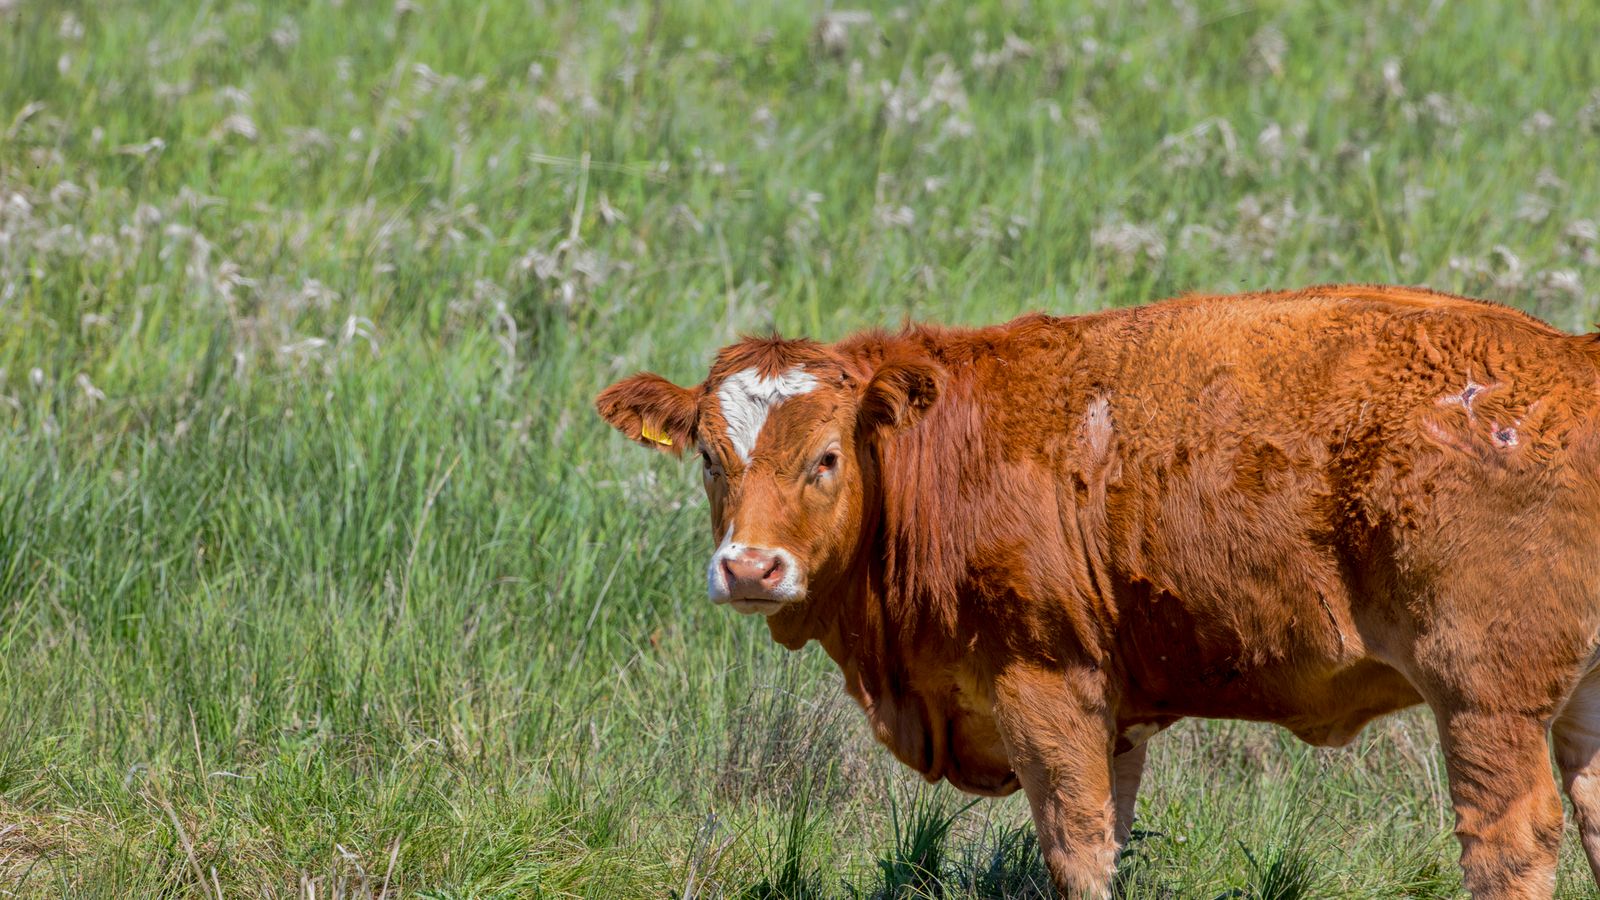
(1058, 731)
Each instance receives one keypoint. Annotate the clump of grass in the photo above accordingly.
(1431, 877)
(1284, 871)
(793, 872)
(915, 865)
(1291, 862)
(781, 735)
(1005, 865)
(1138, 873)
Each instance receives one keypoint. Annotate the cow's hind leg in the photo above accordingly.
(1127, 769)
(1576, 736)
(1508, 814)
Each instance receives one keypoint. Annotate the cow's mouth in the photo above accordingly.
(766, 606)
(751, 599)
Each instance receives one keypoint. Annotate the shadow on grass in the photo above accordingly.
(926, 858)
(1005, 864)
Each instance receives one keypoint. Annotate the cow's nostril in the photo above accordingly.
(774, 572)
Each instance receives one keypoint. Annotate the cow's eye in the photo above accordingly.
(709, 463)
(828, 462)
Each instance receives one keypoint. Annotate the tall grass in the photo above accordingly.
(317, 575)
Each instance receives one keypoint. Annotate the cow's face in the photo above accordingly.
(786, 433)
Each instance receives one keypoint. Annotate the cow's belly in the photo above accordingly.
(1333, 711)
(1258, 626)
(1327, 708)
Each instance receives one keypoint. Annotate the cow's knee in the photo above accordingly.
(1077, 845)
(1508, 814)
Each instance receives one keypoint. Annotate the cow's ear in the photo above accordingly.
(651, 410)
(900, 392)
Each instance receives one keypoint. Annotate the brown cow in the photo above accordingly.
(1030, 547)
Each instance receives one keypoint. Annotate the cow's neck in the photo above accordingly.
(891, 622)
(883, 629)
(921, 530)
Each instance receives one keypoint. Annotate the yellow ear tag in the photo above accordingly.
(654, 434)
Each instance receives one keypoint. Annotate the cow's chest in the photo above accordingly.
(978, 762)
(941, 723)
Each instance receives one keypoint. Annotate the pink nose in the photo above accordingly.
(753, 571)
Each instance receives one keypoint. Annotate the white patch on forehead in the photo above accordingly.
(747, 398)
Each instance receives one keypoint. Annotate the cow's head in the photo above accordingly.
(787, 435)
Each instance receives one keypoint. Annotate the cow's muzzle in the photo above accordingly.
(754, 579)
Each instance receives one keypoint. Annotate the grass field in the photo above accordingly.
(318, 575)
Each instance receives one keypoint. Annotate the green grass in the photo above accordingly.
(318, 574)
